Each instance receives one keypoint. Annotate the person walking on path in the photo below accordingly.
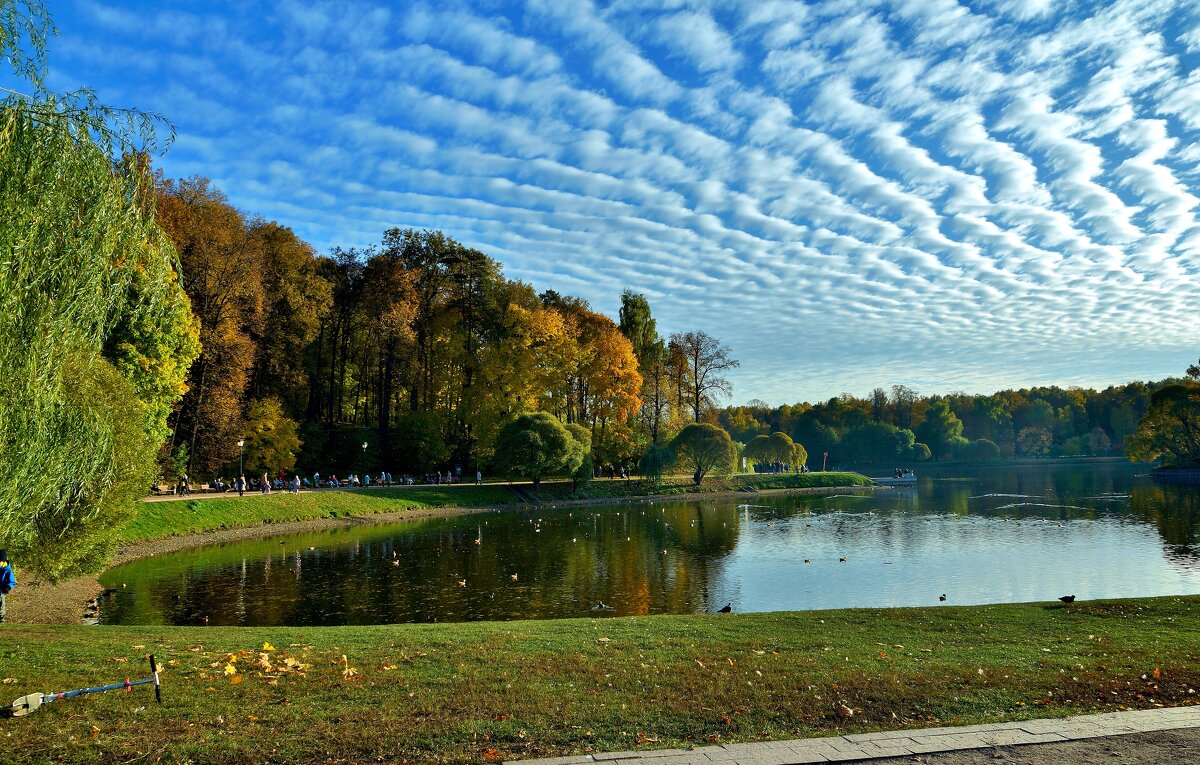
(478, 477)
(265, 484)
(7, 582)
(296, 486)
(241, 485)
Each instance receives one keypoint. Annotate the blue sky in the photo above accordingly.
(848, 194)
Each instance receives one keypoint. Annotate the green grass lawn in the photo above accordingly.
(474, 692)
(208, 512)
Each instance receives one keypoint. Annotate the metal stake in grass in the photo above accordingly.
(34, 701)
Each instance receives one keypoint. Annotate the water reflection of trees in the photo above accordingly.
(1174, 509)
(565, 562)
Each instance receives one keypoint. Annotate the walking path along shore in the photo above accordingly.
(886, 745)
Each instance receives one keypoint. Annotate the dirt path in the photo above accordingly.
(1157, 748)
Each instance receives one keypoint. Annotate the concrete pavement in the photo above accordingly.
(899, 743)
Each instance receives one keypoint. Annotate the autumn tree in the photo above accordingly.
(222, 267)
(295, 300)
(271, 439)
(1034, 442)
(707, 360)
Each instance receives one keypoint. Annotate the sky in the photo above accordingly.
(848, 194)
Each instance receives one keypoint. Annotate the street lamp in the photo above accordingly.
(364, 459)
(241, 443)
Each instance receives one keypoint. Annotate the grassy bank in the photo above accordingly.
(474, 692)
(210, 512)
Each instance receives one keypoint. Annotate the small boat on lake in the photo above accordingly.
(907, 479)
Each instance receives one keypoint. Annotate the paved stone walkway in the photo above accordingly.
(899, 743)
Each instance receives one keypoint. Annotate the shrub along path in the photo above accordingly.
(499, 691)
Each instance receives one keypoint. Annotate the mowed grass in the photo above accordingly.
(207, 512)
(461, 693)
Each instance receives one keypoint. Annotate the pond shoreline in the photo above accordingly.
(68, 602)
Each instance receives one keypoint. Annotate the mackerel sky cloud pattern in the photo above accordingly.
(849, 193)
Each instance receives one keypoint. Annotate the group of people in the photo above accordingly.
(283, 482)
(778, 467)
(903, 472)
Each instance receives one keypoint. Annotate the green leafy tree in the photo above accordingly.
(939, 430)
(981, 449)
(760, 450)
(176, 466)
(535, 445)
(96, 331)
(702, 448)
(876, 442)
(655, 462)
(798, 457)
(767, 450)
(579, 461)
(1170, 430)
(1035, 414)
(272, 439)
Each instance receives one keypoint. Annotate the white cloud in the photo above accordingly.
(1010, 186)
(696, 37)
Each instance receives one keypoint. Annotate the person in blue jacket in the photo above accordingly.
(7, 581)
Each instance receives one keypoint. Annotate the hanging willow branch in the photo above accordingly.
(97, 333)
(25, 29)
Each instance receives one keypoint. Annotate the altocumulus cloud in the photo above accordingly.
(953, 196)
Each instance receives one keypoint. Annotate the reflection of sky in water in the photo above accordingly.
(895, 560)
(978, 536)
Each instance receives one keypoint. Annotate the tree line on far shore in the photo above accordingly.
(900, 426)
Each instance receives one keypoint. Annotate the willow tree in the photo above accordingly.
(97, 332)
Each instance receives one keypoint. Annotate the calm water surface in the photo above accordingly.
(979, 536)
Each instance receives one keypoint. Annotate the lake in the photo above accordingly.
(978, 535)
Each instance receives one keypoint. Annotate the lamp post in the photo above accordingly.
(241, 443)
(364, 460)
